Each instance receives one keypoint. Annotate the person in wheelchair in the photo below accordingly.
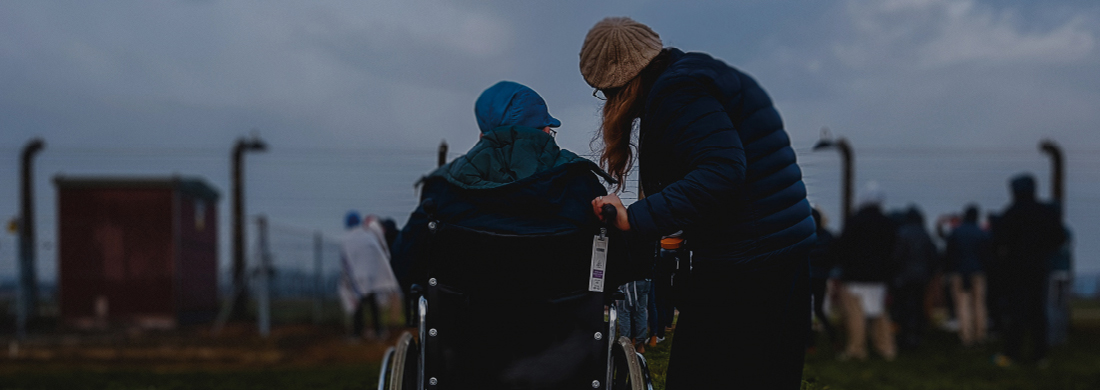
(515, 180)
(501, 248)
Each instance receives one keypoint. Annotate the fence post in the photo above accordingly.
(26, 305)
(442, 153)
(240, 301)
(1057, 170)
(318, 292)
(847, 158)
(263, 279)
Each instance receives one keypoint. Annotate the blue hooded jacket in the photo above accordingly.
(514, 181)
(716, 163)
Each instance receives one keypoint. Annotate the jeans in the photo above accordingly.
(633, 318)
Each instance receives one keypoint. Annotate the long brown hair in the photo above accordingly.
(623, 106)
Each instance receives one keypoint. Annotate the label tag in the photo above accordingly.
(599, 264)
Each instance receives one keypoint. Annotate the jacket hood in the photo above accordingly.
(509, 103)
(507, 155)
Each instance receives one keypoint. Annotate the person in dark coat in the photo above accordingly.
(515, 180)
(967, 254)
(1027, 235)
(823, 260)
(865, 248)
(914, 256)
(716, 163)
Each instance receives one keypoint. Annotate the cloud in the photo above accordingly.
(986, 38)
(940, 33)
(336, 65)
(940, 72)
(404, 25)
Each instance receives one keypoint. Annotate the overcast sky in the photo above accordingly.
(355, 95)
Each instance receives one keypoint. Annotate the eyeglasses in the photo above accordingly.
(604, 94)
(553, 133)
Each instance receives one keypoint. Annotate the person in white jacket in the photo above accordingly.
(367, 279)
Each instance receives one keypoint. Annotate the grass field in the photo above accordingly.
(307, 358)
(941, 363)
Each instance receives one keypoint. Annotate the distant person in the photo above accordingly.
(939, 294)
(1027, 235)
(714, 162)
(823, 259)
(1061, 290)
(996, 283)
(865, 248)
(968, 252)
(367, 279)
(915, 256)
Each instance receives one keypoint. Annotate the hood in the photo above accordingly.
(509, 103)
(507, 155)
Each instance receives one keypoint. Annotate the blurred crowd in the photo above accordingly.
(891, 277)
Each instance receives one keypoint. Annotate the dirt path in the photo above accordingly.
(236, 347)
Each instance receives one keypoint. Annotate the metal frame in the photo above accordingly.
(611, 340)
(612, 325)
(423, 342)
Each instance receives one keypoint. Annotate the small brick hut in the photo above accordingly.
(137, 251)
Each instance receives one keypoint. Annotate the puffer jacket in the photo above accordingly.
(716, 163)
(515, 180)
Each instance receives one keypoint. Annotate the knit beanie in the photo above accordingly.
(615, 50)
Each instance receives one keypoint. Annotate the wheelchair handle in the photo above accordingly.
(609, 214)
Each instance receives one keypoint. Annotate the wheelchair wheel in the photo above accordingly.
(645, 371)
(384, 370)
(403, 367)
(627, 371)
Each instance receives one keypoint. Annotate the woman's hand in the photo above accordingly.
(621, 220)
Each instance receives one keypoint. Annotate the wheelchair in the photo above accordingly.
(504, 311)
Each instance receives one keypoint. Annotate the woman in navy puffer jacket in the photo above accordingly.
(716, 163)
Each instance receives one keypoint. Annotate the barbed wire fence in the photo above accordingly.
(304, 273)
(296, 185)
